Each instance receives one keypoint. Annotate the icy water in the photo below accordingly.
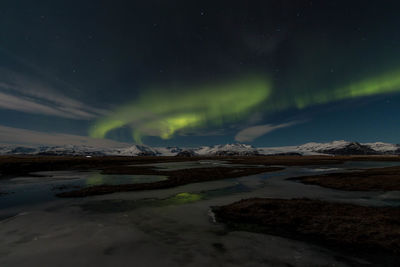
(173, 166)
(44, 185)
(171, 227)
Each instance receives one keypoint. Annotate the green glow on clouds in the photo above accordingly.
(163, 113)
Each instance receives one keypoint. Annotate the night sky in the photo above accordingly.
(189, 73)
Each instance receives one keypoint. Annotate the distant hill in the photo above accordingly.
(331, 148)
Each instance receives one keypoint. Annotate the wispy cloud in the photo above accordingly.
(251, 133)
(10, 135)
(26, 94)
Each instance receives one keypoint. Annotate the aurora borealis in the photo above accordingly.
(201, 72)
(380, 84)
(162, 113)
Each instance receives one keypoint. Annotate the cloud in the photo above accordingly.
(26, 94)
(251, 133)
(10, 135)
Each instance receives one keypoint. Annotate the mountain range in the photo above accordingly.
(331, 148)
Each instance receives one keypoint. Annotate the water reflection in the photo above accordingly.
(174, 166)
(103, 179)
(123, 205)
(30, 190)
(183, 198)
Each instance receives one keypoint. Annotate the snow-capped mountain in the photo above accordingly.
(332, 148)
(135, 150)
(73, 150)
(337, 148)
(51, 150)
(227, 150)
(385, 148)
(168, 151)
(69, 150)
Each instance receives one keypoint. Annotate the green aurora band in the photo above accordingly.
(383, 84)
(380, 84)
(164, 113)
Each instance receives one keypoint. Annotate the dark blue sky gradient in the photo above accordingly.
(82, 59)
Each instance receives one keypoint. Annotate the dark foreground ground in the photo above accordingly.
(175, 178)
(368, 232)
(380, 179)
(366, 180)
(22, 165)
(356, 230)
